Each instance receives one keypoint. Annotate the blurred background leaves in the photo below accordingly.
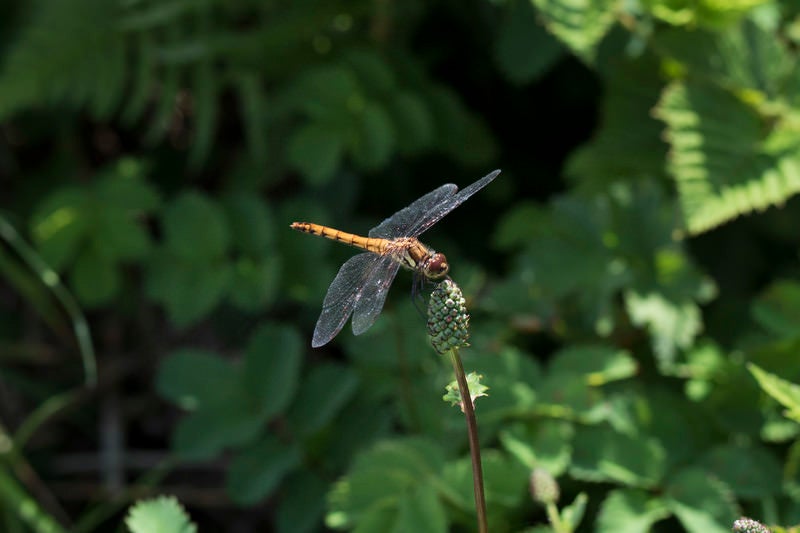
(632, 274)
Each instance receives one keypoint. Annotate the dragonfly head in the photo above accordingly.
(436, 267)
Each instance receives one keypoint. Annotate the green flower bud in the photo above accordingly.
(544, 487)
(448, 321)
(748, 525)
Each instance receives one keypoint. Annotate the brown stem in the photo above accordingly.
(474, 445)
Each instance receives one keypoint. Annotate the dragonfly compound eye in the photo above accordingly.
(437, 266)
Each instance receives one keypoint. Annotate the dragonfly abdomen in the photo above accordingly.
(377, 246)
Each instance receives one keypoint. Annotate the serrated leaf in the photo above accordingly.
(580, 24)
(195, 228)
(316, 151)
(159, 515)
(524, 50)
(322, 394)
(701, 503)
(630, 511)
(673, 325)
(719, 156)
(271, 369)
(256, 471)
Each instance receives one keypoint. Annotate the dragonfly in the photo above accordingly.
(363, 281)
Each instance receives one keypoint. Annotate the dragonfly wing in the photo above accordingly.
(399, 224)
(343, 295)
(373, 295)
(435, 213)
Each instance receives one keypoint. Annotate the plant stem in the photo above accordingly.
(474, 444)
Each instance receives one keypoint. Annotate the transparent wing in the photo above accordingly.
(373, 295)
(428, 210)
(348, 289)
(399, 224)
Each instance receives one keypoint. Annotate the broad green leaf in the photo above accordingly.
(673, 325)
(413, 122)
(196, 379)
(580, 24)
(720, 158)
(546, 444)
(376, 138)
(271, 369)
(325, 93)
(628, 143)
(59, 225)
(124, 189)
(204, 434)
(94, 278)
(188, 289)
(302, 503)
(778, 308)
(373, 72)
(785, 392)
(321, 396)
(316, 151)
(195, 228)
(630, 511)
(700, 501)
(381, 476)
(604, 455)
(598, 364)
(159, 515)
(251, 223)
(524, 50)
(421, 511)
(256, 471)
(749, 471)
(255, 282)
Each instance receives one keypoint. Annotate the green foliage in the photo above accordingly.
(159, 515)
(636, 323)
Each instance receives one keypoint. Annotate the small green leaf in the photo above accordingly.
(204, 434)
(316, 150)
(302, 503)
(322, 394)
(778, 308)
(785, 392)
(159, 515)
(195, 227)
(256, 471)
(580, 24)
(524, 49)
(546, 444)
(271, 369)
(95, 278)
(597, 363)
(255, 283)
(251, 225)
(630, 511)
(750, 471)
(59, 225)
(605, 455)
(375, 142)
(413, 122)
(194, 379)
(421, 511)
(700, 501)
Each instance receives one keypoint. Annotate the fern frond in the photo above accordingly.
(720, 158)
(70, 52)
(580, 24)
